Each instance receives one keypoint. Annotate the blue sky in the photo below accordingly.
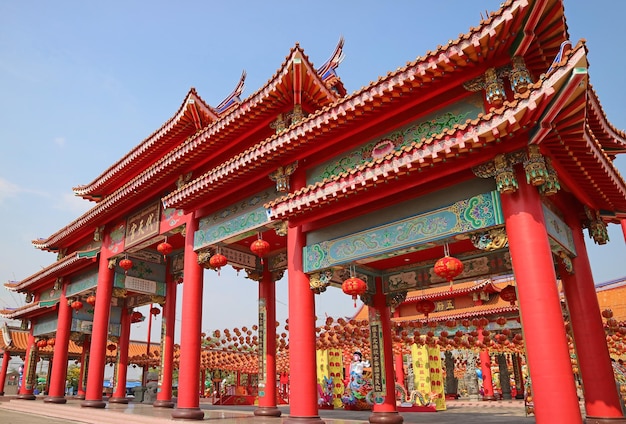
(81, 83)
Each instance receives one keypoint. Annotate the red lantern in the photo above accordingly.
(50, 342)
(126, 264)
(425, 306)
(260, 248)
(111, 347)
(217, 261)
(91, 300)
(136, 317)
(448, 268)
(42, 343)
(354, 287)
(76, 305)
(508, 294)
(164, 248)
(155, 311)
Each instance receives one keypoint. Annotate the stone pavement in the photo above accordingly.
(16, 411)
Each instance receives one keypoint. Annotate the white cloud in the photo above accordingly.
(74, 204)
(7, 189)
(59, 141)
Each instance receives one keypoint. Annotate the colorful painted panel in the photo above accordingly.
(416, 132)
(82, 283)
(229, 228)
(116, 238)
(421, 275)
(171, 218)
(481, 211)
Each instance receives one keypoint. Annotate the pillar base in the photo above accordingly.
(489, 398)
(386, 418)
(163, 404)
(80, 396)
(601, 420)
(302, 420)
(267, 411)
(26, 396)
(1, 393)
(188, 414)
(55, 399)
(96, 403)
(118, 400)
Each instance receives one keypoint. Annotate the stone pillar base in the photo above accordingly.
(118, 400)
(302, 420)
(601, 420)
(489, 398)
(188, 414)
(80, 396)
(163, 404)
(96, 403)
(26, 396)
(267, 411)
(55, 399)
(386, 418)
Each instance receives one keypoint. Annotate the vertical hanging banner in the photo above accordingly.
(262, 345)
(421, 369)
(436, 378)
(379, 383)
(30, 366)
(163, 331)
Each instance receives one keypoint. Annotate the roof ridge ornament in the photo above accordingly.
(233, 97)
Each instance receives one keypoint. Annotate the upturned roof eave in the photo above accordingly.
(185, 197)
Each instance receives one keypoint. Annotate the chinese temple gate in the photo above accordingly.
(487, 156)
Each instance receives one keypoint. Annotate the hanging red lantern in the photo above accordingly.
(425, 306)
(42, 343)
(260, 248)
(136, 317)
(111, 347)
(91, 300)
(50, 342)
(217, 261)
(76, 305)
(155, 311)
(448, 268)
(354, 287)
(164, 248)
(126, 264)
(508, 294)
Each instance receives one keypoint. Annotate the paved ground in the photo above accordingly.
(14, 411)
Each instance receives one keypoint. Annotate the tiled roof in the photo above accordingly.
(63, 267)
(169, 165)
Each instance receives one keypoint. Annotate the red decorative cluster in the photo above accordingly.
(425, 306)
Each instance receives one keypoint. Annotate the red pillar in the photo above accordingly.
(485, 368)
(189, 370)
(267, 358)
(164, 395)
(601, 396)
(29, 376)
(58, 375)
(121, 368)
(6, 357)
(84, 363)
(540, 308)
(398, 361)
(384, 409)
(302, 358)
(623, 223)
(100, 330)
